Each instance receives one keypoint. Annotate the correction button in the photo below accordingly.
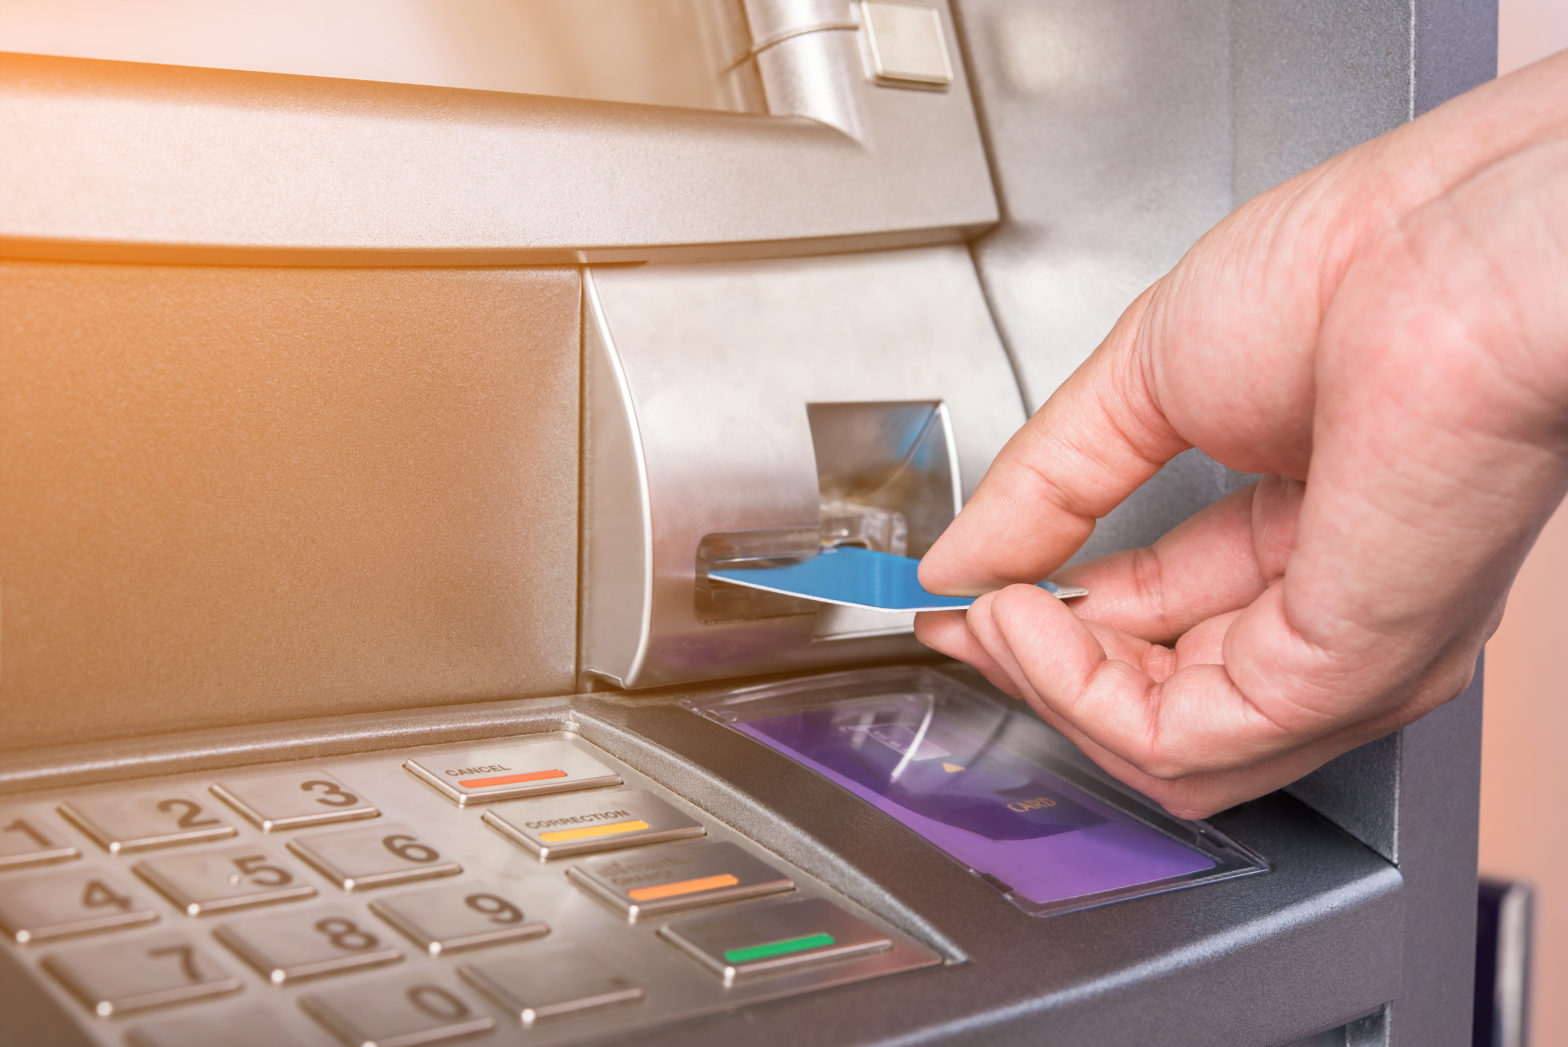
(678, 878)
(292, 799)
(307, 943)
(120, 823)
(399, 1011)
(24, 841)
(549, 982)
(373, 856)
(459, 916)
(234, 877)
(129, 976)
(66, 902)
(562, 826)
(774, 937)
(505, 772)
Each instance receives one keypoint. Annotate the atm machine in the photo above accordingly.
(380, 384)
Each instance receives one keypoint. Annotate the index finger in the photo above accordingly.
(1096, 440)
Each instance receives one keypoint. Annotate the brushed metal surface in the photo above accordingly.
(1110, 134)
(698, 379)
(676, 987)
(652, 52)
(235, 495)
(120, 160)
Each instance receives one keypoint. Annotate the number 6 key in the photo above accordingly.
(374, 856)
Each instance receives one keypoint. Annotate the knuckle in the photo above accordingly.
(1147, 575)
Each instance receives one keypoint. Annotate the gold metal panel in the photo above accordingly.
(242, 494)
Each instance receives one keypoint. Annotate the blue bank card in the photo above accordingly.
(856, 577)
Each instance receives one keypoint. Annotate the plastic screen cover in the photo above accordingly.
(988, 784)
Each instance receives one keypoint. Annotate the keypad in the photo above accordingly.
(293, 799)
(136, 821)
(114, 978)
(404, 1010)
(356, 859)
(235, 877)
(550, 982)
(236, 907)
(309, 943)
(678, 878)
(458, 916)
(64, 902)
(563, 826)
(25, 841)
(531, 768)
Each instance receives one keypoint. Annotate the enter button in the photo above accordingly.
(774, 937)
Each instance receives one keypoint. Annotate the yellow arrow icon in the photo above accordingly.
(951, 768)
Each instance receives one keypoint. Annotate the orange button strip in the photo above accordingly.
(680, 887)
(510, 779)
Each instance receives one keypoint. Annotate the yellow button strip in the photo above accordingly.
(591, 832)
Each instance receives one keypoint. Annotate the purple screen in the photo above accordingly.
(984, 804)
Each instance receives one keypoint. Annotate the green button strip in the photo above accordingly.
(783, 948)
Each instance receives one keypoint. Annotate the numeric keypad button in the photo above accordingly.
(65, 902)
(374, 856)
(308, 943)
(406, 1010)
(139, 821)
(548, 982)
(457, 916)
(244, 1026)
(121, 977)
(25, 841)
(292, 799)
(233, 877)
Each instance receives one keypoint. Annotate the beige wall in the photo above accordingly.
(1524, 760)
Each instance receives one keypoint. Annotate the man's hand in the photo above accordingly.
(1385, 338)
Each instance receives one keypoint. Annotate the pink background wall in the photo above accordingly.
(1524, 761)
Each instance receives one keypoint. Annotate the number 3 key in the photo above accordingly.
(293, 799)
